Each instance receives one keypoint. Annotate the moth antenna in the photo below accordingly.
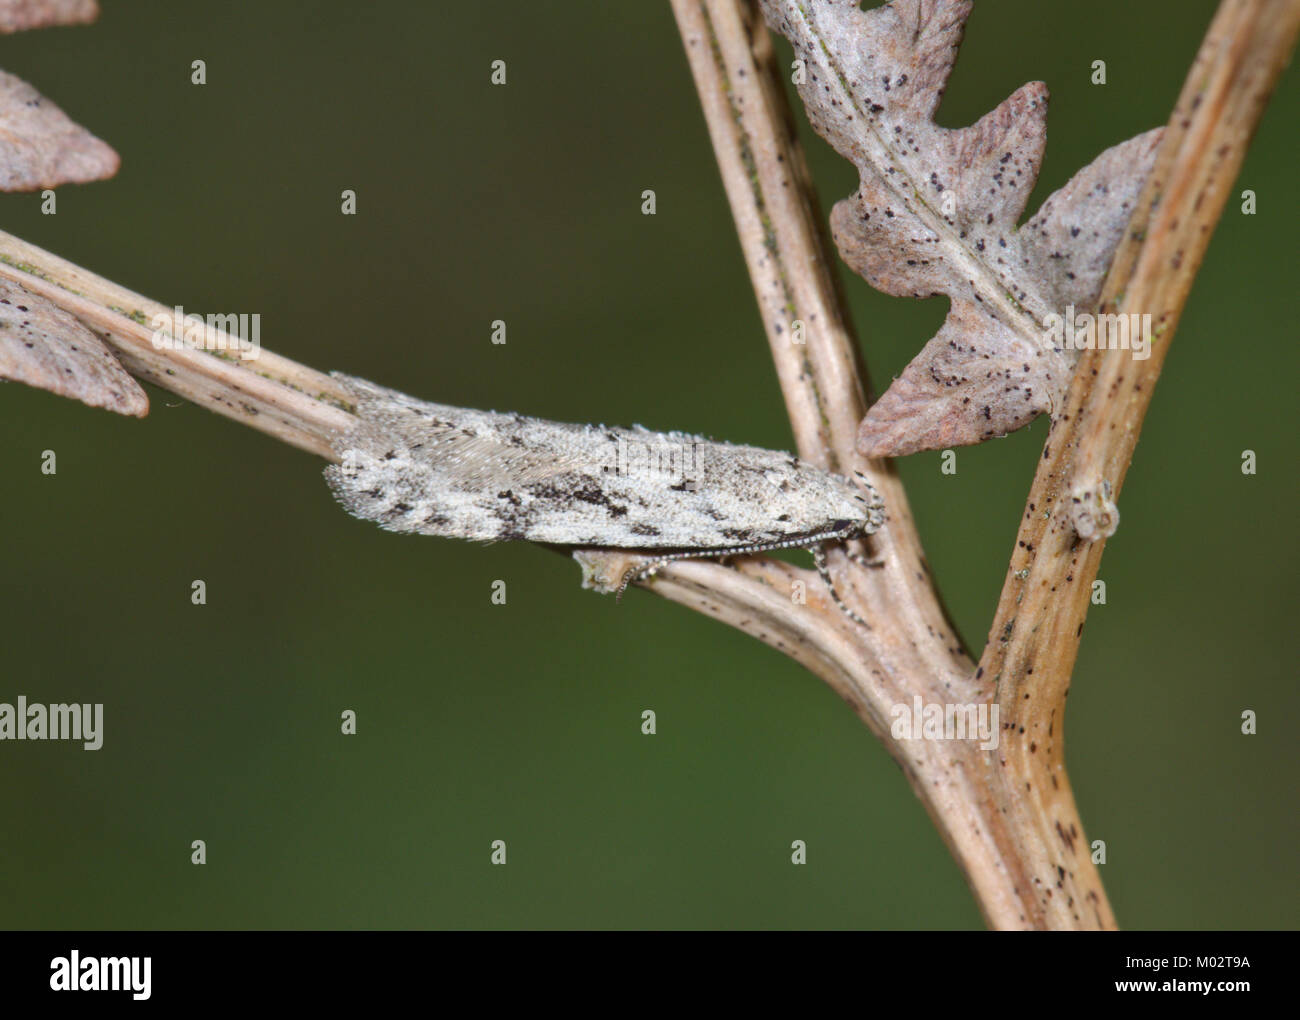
(811, 542)
(637, 573)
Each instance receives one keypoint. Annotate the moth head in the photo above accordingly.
(865, 522)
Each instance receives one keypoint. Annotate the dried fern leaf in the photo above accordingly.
(936, 213)
(19, 15)
(44, 346)
(40, 147)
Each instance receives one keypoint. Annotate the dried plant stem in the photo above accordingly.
(1009, 816)
(910, 649)
(1035, 636)
(293, 403)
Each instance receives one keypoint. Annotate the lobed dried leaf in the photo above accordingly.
(19, 15)
(936, 213)
(40, 147)
(44, 346)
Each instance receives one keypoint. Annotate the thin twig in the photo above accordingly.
(1034, 640)
(293, 403)
(910, 650)
(1015, 827)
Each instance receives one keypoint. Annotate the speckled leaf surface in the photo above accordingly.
(18, 15)
(936, 213)
(44, 346)
(40, 147)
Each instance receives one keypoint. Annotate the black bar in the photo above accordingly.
(945, 969)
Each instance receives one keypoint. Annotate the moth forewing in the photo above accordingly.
(433, 469)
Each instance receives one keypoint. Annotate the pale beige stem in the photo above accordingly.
(1035, 636)
(293, 403)
(1008, 816)
(910, 650)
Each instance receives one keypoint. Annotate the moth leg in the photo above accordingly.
(819, 559)
(862, 561)
(874, 506)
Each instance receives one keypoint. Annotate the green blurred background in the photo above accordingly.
(521, 722)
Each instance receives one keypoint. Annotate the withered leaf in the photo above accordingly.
(40, 147)
(44, 346)
(17, 15)
(936, 213)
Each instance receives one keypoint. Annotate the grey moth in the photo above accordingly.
(432, 469)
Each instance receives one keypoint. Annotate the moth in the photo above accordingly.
(431, 469)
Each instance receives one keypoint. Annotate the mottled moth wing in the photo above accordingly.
(467, 447)
(432, 469)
